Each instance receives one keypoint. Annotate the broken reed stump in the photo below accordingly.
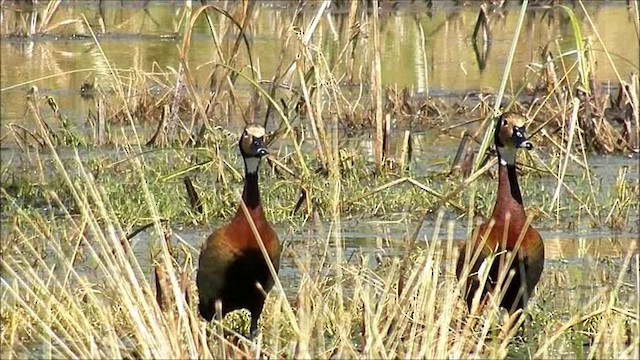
(463, 161)
(194, 199)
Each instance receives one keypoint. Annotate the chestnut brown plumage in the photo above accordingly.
(231, 268)
(501, 235)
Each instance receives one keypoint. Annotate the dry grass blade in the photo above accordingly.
(272, 270)
(572, 129)
(376, 92)
(413, 182)
(505, 76)
(87, 229)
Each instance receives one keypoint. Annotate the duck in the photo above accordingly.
(499, 238)
(231, 267)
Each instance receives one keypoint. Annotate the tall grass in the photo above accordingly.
(73, 287)
(73, 284)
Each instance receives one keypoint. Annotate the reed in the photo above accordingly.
(74, 282)
(76, 287)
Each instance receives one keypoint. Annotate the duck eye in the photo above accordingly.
(505, 122)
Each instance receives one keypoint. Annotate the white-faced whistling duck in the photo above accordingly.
(231, 264)
(503, 231)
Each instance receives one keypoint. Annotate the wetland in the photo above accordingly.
(379, 128)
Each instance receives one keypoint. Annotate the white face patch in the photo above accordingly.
(507, 155)
(255, 130)
(251, 164)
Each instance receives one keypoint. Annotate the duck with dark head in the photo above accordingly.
(231, 267)
(508, 235)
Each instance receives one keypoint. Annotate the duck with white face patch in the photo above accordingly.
(232, 269)
(509, 137)
(508, 234)
(252, 150)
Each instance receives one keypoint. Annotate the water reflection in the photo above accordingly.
(369, 236)
(375, 239)
(426, 49)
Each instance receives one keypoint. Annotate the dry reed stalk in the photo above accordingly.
(161, 286)
(272, 270)
(386, 137)
(192, 194)
(118, 85)
(404, 157)
(582, 148)
(314, 113)
(463, 160)
(572, 129)
(306, 39)
(353, 27)
(422, 45)
(114, 259)
(469, 180)
(376, 91)
(488, 135)
(222, 78)
(101, 123)
(634, 101)
(412, 181)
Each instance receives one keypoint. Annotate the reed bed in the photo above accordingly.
(73, 285)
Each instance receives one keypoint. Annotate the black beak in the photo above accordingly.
(258, 147)
(519, 139)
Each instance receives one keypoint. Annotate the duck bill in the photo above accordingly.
(520, 141)
(258, 148)
(524, 144)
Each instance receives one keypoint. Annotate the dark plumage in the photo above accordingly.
(503, 231)
(231, 264)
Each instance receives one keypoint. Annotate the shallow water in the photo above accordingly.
(143, 39)
(375, 239)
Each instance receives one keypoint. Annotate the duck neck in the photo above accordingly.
(509, 196)
(251, 191)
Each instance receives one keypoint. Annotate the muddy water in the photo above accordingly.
(564, 251)
(142, 39)
(426, 50)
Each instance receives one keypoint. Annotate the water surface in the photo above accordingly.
(428, 50)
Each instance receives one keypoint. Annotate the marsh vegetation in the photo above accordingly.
(379, 130)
